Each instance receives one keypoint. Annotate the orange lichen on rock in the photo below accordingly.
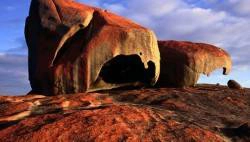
(77, 48)
(183, 62)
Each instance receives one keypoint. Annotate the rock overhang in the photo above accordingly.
(70, 42)
(182, 62)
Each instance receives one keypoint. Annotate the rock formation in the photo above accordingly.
(183, 62)
(202, 113)
(232, 84)
(77, 48)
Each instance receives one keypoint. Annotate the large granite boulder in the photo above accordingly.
(183, 62)
(77, 48)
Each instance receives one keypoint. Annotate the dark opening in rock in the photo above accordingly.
(127, 69)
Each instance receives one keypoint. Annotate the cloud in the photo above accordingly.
(14, 75)
(235, 7)
(247, 83)
(21, 49)
(10, 8)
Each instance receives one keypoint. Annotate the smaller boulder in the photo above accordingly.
(182, 62)
(232, 84)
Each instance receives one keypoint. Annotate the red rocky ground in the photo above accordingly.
(204, 113)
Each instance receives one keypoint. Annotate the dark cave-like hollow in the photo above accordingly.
(127, 69)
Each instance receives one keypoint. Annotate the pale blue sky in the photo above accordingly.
(221, 22)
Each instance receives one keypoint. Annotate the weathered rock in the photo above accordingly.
(77, 48)
(183, 62)
(203, 113)
(232, 84)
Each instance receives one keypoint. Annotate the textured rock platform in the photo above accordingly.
(203, 113)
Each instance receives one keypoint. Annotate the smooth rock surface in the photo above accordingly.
(206, 113)
(70, 44)
(182, 62)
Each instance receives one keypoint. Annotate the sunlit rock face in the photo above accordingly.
(77, 48)
(183, 62)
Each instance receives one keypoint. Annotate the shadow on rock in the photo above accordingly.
(239, 133)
